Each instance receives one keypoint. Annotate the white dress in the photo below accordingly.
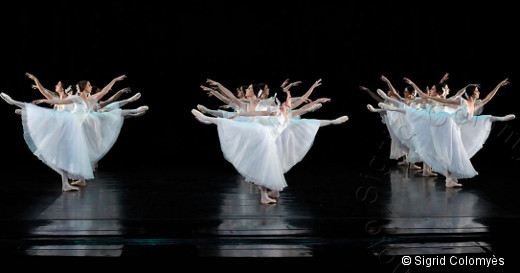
(101, 130)
(437, 139)
(57, 139)
(250, 147)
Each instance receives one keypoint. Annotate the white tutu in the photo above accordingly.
(295, 141)
(101, 130)
(437, 140)
(56, 138)
(249, 147)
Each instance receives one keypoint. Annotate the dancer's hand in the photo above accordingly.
(408, 81)
(120, 78)
(207, 89)
(322, 100)
(125, 90)
(285, 83)
(445, 77)
(385, 79)
(363, 88)
(317, 83)
(212, 82)
(31, 76)
(504, 82)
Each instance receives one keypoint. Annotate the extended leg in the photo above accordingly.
(337, 121)
(9, 100)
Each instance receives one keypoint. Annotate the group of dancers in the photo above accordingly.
(444, 132)
(80, 128)
(264, 136)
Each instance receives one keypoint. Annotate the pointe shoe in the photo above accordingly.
(340, 120)
(510, 117)
(202, 108)
(6, 97)
(134, 97)
(199, 116)
(382, 94)
(315, 107)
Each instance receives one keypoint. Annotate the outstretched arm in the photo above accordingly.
(372, 94)
(226, 92)
(45, 92)
(392, 89)
(444, 78)
(115, 97)
(408, 81)
(53, 101)
(492, 93)
(254, 113)
(217, 94)
(307, 107)
(107, 88)
(307, 94)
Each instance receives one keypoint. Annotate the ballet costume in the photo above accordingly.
(438, 140)
(250, 146)
(57, 139)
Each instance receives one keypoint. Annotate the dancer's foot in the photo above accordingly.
(387, 106)
(134, 97)
(18, 111)
(450, 183)
(68, 187)
(7, 98)
(80, 182)
(371, 108)
(142, 109)
(267, 200)
(428, 173)
(382, 94)
(505, 118)
(200, 117)
(202, 108)
(315, 107)
(273, 194)
(415, 167)
(340, 120)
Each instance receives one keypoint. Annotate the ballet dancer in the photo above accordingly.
(445, 149)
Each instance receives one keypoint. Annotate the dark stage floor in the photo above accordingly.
(370, 219)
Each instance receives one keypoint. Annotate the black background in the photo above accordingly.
(168, 50)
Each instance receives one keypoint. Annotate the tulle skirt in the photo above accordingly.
(101, 130)
(56, 138)
(438, 141)
(295, 141)
(248, 146)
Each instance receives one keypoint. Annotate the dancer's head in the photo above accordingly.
(240, 91)
(285, 100)
(84, 86)
(265, 90)
(62, 87)
(436, 90)
(409, 92)
(252, 90)
(472, 91)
